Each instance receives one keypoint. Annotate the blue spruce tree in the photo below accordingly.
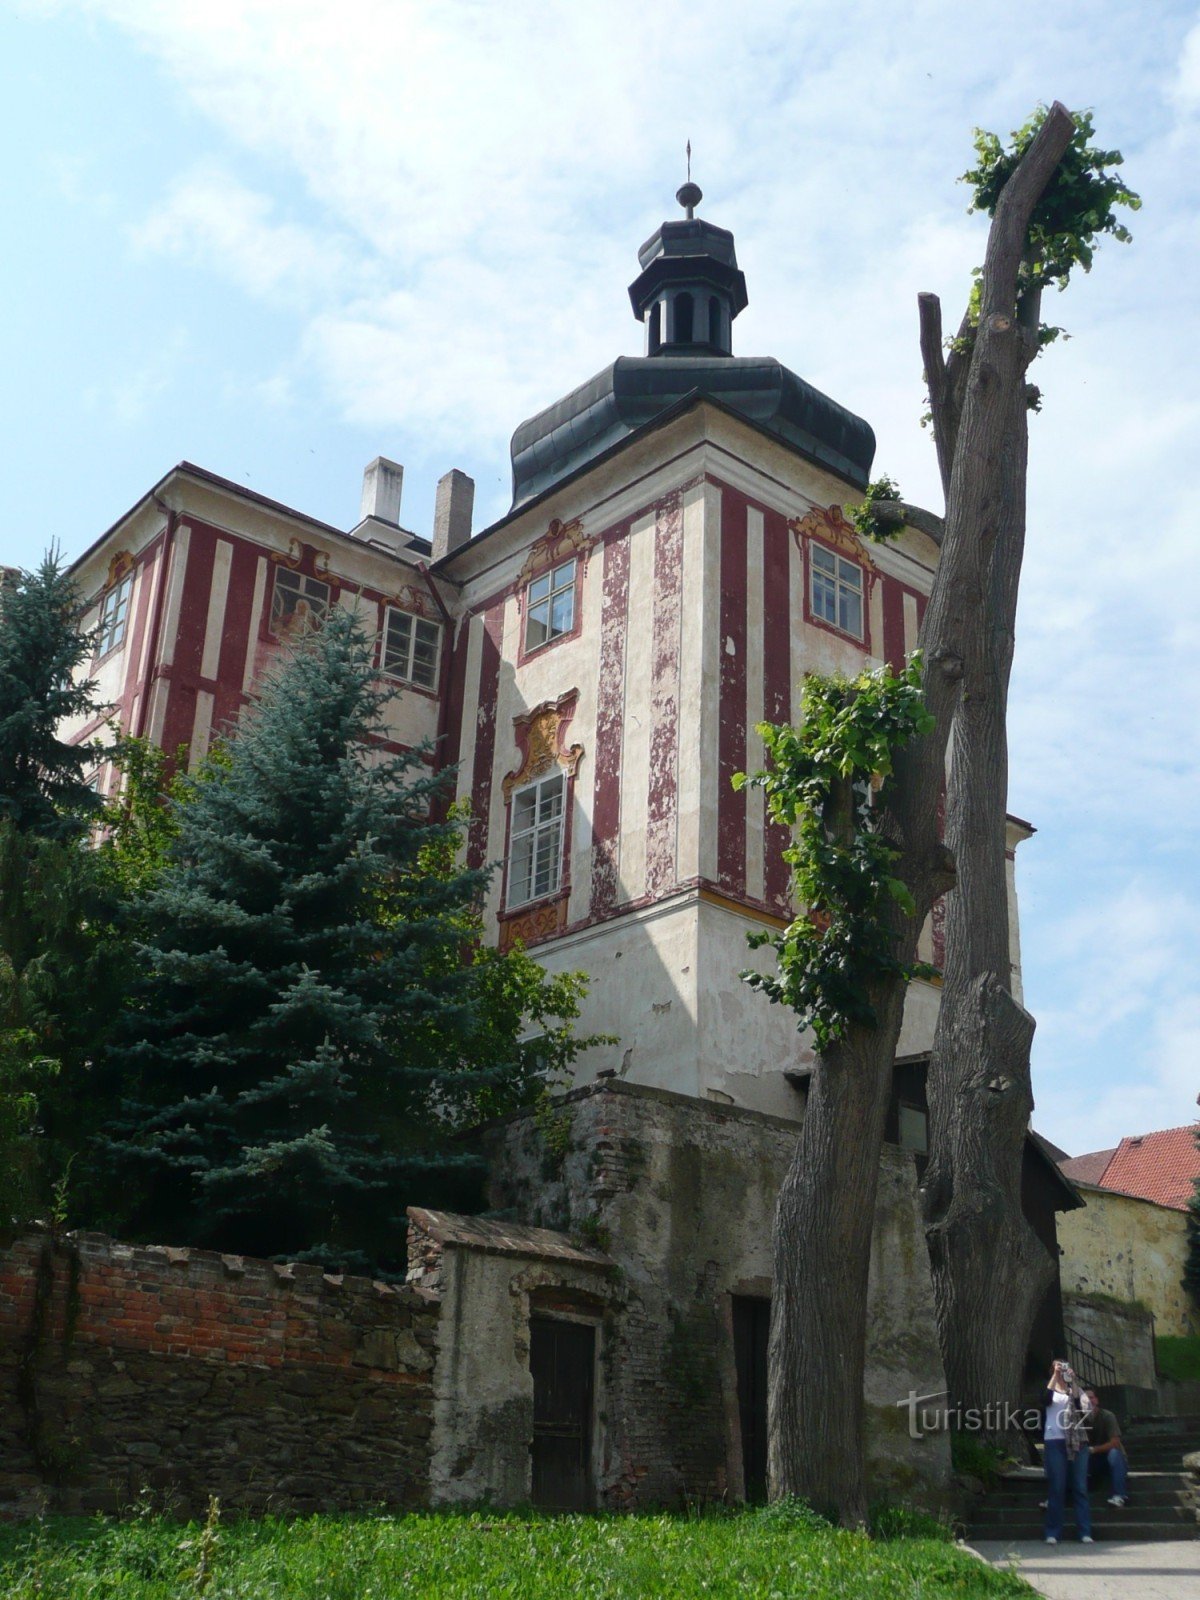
(303, 1038)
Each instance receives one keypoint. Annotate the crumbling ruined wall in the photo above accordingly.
(681, 1194)
(194, 1374)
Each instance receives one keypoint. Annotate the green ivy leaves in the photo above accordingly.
(827, 780)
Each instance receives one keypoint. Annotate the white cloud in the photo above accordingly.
(210, 219)
(1124, 959)
(1185, 90)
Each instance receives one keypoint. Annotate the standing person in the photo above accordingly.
(1106, 1448)
(1066, 1454)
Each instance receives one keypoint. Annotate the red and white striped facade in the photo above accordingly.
(692, 621)
(203, 555)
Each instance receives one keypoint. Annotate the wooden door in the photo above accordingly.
(562, 1359)
(751, 1331)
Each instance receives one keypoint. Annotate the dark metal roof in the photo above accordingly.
(688, 252)
(635, 389)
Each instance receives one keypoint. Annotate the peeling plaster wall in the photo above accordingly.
(1131, 1249)
(683, 1193)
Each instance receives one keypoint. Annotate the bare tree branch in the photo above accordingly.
(1010, 225)
(903, 514)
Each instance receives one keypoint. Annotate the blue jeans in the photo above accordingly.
(1117, 1468)
(1061, 1474)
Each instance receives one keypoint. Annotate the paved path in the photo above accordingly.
(1169, 1570)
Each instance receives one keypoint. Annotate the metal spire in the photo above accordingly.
(690, 195)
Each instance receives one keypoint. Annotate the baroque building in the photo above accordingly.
(676, 558)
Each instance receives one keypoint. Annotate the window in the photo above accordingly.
(656, 327)
(683, 319)
(410, 648)
(298, 602)
(550, 606)
(714, 320)
(114, 616)
(913, 1129)
(836, 590)
(535, 845)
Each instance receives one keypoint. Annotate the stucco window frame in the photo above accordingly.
(554, 826)
(828, 528)
(431, 690)
(561, 543)
(540, 736)
(810, 612)
(288, 631)
(120, 584)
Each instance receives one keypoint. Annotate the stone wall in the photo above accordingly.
(681, 1194)
(1125, 1331)
(1131, 1249)
(191, 1373)
(491, 1279)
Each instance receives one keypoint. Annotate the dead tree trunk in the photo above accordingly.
(984, 1254)
(826, 1208)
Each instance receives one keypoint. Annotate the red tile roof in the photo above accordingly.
(1162, 1167)
(1089, 1168)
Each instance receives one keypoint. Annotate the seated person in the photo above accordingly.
(1107, 1452)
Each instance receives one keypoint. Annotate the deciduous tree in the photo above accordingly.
(979, 405)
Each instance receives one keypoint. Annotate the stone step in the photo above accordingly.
(1144, 1497)
(1101, 1517)
(1131, 1532)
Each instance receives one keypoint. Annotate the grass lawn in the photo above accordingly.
(763, 1555)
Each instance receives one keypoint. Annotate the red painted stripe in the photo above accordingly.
(182, 680)
(778, 548)
(661, 799)
(731, 736)
(485, 737)
(193, 606)
(449, 754)
(610, 719)
(238, 635)
(893, 622)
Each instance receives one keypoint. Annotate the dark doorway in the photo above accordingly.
(751, 1331)
(562, 1359)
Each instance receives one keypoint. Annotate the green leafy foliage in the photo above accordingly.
(42, 647)
(63, 970)
(1177, 1356)
(314, 1023)
(826, 781)
(58, 961)
(1076, 209)
(864, 516)
(781, 1552)
(141, 824)
(1191, 1270)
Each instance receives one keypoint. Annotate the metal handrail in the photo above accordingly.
(1093, 1364)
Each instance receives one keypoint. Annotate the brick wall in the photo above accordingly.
(190, 1373)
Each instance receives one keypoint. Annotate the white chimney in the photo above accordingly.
(383, 482)
(452, 512)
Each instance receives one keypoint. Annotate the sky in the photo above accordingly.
(281, 237)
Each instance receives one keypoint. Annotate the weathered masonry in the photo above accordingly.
(195, 1374)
